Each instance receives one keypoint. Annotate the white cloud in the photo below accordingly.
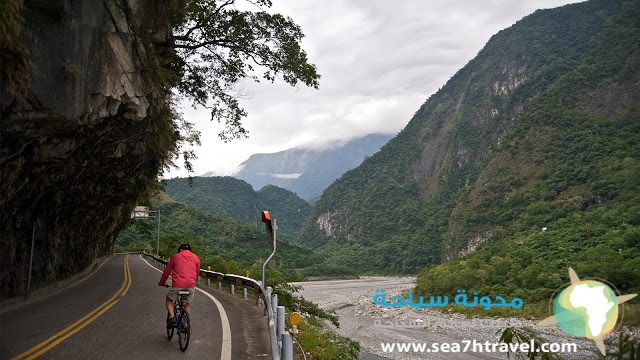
(379, 61)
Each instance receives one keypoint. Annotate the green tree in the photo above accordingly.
(217, 45)
(169, 244)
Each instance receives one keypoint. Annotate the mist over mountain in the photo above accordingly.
(307, 172)
(539, 130)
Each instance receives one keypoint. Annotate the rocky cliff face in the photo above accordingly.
(87, 140)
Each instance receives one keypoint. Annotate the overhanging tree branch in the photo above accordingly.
(215, 46)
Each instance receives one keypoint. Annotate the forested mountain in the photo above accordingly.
(540, 130)
(212, 235)
(307, 172)
(228, 197)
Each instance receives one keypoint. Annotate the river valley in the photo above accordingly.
(371, 325)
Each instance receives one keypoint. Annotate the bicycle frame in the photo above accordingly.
(183, 323)
(179, 310)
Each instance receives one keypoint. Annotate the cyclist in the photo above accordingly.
(185, 266)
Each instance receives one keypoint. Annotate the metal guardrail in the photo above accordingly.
(271, 311)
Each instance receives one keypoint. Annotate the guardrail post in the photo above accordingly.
(274, 304)
(280, 322)
(244, 293)
(287, 346)
(231, 289)
(267, 297)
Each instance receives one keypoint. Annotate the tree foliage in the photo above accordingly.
(563, 190)
(234, 198)
(14, 56)
(223, 243)
(218, 45)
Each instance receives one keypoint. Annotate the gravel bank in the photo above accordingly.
(371, 325)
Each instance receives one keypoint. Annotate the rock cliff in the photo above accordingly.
(87, 140)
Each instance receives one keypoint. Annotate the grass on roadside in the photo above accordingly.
(321, 343)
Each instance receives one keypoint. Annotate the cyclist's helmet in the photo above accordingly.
(184, 246)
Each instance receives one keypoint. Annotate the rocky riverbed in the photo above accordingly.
(371, 325)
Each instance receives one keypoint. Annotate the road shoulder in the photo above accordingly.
(54, 288)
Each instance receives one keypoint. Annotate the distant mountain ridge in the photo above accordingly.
(307, 172)
(229, 197)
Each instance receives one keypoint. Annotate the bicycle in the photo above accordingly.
(183, 323)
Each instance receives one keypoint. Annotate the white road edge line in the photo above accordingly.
(225, 354)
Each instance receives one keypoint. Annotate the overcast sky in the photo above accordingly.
(379, 61)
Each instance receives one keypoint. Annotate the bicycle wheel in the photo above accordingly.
(184, 332)
(169, 330)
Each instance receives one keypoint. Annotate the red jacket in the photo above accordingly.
(186, 268)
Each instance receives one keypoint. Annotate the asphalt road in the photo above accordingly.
(117, 311)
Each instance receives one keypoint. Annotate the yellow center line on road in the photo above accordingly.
(56, 339)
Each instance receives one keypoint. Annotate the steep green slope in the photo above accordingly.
(564, 190)
(223, 196)
(407, 206)
(217, 236)
(234, 198)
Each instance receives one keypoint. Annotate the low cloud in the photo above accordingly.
(379, 62)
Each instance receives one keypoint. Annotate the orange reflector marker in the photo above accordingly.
(266, 219)
(295, 318)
